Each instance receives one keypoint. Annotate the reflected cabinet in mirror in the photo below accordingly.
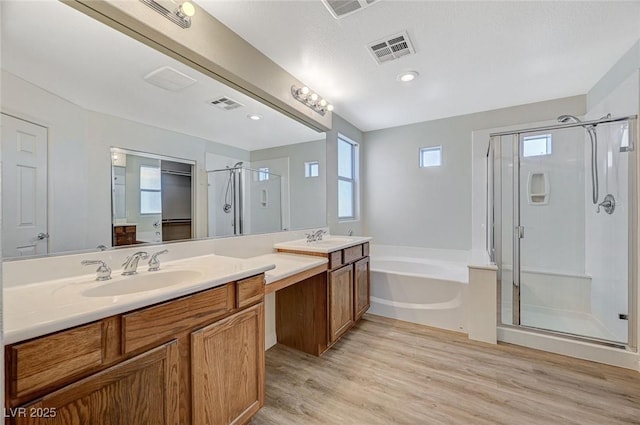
(69, 104)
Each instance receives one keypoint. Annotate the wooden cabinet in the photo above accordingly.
(361, 290)
(198, 359)
(228, 369)
(340, 302)
(313, 314)
(142, 391)
(124, 235)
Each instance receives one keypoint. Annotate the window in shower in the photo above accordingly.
(347, 165)
(536, 145)
(150, 190)
(311, 169)
(263, 174)
(431, 156)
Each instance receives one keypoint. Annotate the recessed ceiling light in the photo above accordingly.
(254, 117)
(405, 77)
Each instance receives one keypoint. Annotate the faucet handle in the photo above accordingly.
(154, 263)
(135, 256)
(103, 272)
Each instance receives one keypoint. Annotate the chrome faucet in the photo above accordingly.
(154, 263)
(103, 272)
(319, 234)
(131, 263)
(315, 236)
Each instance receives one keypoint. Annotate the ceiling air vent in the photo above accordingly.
(341, 8)
(169, 79)
(225, 103)
(391, 47)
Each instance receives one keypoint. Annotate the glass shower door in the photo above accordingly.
(571, 254)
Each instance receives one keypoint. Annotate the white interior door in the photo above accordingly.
(24, 188)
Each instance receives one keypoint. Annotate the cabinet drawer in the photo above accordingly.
(250, 291)
(53, 359)
(335, 259)
(365, 249)
(162, 322)
(352, 253)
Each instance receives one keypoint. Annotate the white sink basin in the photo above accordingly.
(143, 282)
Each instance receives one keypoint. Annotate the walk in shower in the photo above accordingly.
(242, 200)
(561, 226)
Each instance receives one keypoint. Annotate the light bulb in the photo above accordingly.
(304, 90)
(254, 117)
(329, 107)
(187, 9)
(314, 96)
(407, 76)
(323, 103)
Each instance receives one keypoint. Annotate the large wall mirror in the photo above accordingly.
(76, 94)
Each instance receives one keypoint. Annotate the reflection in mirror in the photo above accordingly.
(151, 198)
(67, 100)
(244, 201)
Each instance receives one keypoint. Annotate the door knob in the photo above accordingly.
(42, 236)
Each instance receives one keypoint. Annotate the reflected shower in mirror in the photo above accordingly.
(244, 201)
(67, 100)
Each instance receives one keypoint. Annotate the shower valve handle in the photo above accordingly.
(608, 204)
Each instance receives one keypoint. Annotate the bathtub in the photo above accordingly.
(420, 285)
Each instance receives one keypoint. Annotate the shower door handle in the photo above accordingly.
(520, 231)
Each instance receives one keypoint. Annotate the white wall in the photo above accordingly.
(432, 207)
(80, 161)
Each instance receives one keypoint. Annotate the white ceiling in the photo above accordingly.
(471, 56)
(69, 54)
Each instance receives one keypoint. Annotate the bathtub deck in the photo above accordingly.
(390, 372)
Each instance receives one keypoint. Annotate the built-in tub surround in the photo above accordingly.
(419, 285)
(435, 287)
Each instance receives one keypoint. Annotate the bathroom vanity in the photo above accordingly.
(196, 358)
(313, 315)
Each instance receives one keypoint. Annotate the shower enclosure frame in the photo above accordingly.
(237, 181)
(495, 219)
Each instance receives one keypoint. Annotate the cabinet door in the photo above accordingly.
(361, 290)
(141, 391)
(340, 302)
(228, 369)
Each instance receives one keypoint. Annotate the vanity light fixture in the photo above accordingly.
(312, 100)
(254, 117)
(177, 11)
(405, 77)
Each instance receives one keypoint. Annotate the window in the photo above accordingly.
(311, 169)
(346, 178)
(263, 174)
(431, 157)
(536, 145)
(150, 190)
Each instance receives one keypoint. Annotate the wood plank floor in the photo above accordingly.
(390, 372)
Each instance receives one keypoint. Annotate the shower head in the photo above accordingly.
(567, 118)
(238, 164)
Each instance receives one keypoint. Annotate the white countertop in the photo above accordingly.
(324, 246)
(288, 264)
(40, 308)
